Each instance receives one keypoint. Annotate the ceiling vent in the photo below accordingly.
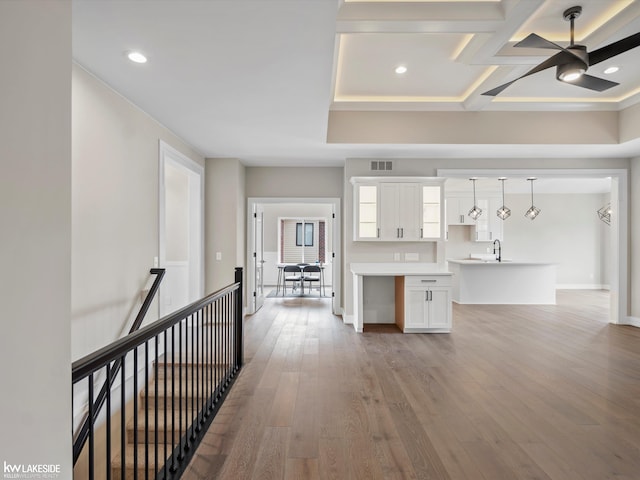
(381, 165)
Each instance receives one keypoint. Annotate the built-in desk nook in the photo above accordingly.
(422, 295)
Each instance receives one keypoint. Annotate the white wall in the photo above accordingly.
(115, 209)
(35, 244)
(567, 232)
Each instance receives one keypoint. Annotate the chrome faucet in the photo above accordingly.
(499, 257)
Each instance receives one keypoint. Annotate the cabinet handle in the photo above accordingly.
(430, 296)
(461, 218)
(426, 295)
(401, 232)
(421, 233)
(378, 234)
(429, 280)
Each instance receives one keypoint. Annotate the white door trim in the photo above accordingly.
(170, 156)
(336, 241)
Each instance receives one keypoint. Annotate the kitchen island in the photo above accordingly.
(506, 282)
(422, 295)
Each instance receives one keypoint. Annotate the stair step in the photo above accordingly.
(186, 369)
(116, 463)
(187, 418)
(188, 395)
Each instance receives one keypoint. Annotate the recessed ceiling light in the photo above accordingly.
(610, 70)
(137, 57)
(400, 69)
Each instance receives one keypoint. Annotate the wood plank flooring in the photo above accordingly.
(514, 392)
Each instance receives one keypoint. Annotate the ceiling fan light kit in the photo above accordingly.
(573, 61)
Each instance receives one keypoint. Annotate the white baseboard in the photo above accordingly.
(581, 286)
(348, 319)
(633, 321)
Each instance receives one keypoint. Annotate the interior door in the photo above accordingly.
(258, 257)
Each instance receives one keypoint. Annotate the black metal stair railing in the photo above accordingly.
(83, 433)
(173, 377)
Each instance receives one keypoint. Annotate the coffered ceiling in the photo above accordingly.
(454, 51)
(312, 82)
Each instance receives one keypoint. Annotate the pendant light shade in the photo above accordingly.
(533, 211)
(475, 211)
(503, 212)
(604, 214)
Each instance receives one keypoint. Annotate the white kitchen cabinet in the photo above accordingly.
(366, 224)
(489, 226)
(457, 209)
(397, 210)
(427, 304)
(432, 227)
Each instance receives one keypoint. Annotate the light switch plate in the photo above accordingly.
(396, 257)
(411, 257)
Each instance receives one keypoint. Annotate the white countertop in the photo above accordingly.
(398, 268)
(469, 261)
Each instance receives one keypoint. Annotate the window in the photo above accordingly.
(304, 232)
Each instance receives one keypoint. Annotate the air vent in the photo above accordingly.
(381, 165)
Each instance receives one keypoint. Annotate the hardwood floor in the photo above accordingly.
(514, 392)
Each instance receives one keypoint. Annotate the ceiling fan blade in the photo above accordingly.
(553, 61)
(536, 41)
(593, 83)
(613, 49)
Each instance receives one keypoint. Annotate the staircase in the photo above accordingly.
(180, 399)
(180, 383)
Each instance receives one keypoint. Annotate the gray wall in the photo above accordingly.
(114, 209)
(225, 221)
(294, 182)
(35, 214)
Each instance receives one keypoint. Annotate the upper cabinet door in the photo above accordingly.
(431, 227)
(366, 212)
(389, 207)
(398, 211)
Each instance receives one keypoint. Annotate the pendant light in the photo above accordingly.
(604, 214)
(533, 211)
(503, 212)
(475, 211)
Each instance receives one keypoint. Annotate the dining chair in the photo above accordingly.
(293, 274)
(311, 274)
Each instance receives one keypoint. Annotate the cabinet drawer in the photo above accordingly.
(427, 280)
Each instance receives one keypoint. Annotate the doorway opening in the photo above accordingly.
(285, 231)
(181, 232)
(590, 254)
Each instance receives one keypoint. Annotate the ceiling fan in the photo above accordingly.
(572, 62)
